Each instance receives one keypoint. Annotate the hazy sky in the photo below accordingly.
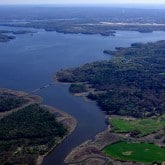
(78, 1)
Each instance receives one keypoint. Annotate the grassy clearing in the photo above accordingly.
(137, 152)
(142, 126)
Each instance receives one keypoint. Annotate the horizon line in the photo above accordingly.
(99, 3)
(86, 4)
(156, 6)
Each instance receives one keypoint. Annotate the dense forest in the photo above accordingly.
(27, 133)
(77, 88)
(10, 101)
(132, 83)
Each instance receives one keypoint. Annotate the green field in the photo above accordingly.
(137, 152)
(142, 126)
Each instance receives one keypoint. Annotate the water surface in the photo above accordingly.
(30, 61)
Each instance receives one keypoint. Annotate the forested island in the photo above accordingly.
(29, 130)
(5, 35)
(6, 38)
(23, 32)
(129, 88)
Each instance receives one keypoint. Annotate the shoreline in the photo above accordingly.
(90, 151)
(31, 99)
(67, 120)
(62, 117)
(75, 95)
(81, 94)
(115, 26)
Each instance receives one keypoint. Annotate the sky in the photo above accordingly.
(81, 1)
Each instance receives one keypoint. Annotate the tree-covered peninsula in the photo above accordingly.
(29, 131)
(130, 89)
(131, 83)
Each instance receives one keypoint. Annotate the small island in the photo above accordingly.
(29, 130)
(129, 88)
(6, 38)
(23, 32)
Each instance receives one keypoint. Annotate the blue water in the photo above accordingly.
(30, 61)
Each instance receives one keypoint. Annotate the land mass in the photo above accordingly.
(6, 38)
(90, 20)
(91, 27)
(129, 84)
(129, 88)
(29, 131)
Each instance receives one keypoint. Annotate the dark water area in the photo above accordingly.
(30, 61)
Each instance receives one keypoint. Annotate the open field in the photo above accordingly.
(138, 152)
(142, 127)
